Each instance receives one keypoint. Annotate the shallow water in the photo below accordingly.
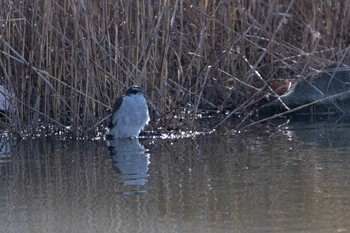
(295, 179)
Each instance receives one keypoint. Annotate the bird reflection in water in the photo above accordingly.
(131, 161)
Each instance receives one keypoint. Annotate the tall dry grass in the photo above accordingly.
(67, 61)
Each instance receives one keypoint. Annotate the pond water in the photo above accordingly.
(292, 179)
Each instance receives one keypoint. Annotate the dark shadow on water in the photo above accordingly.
(130, 160)
(326, 131)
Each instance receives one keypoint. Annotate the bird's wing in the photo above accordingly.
(116, 107)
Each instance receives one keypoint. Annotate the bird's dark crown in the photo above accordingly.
(134, 90)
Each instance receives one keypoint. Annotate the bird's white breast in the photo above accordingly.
(131, 117)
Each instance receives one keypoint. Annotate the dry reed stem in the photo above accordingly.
(67, 62)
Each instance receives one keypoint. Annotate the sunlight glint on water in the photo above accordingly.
(291, 180)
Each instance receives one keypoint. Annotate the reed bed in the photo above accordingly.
(65, 62)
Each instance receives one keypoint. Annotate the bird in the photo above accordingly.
(129, 115)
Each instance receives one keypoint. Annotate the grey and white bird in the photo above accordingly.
(129, 114)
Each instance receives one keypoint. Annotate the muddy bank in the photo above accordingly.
(326, 93)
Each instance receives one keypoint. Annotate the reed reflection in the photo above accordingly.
(131, 161)
(5, 150)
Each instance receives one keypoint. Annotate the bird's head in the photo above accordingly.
(133, 90)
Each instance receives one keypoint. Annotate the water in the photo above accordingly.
(294, 179)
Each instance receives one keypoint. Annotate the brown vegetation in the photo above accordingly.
(67, 61)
